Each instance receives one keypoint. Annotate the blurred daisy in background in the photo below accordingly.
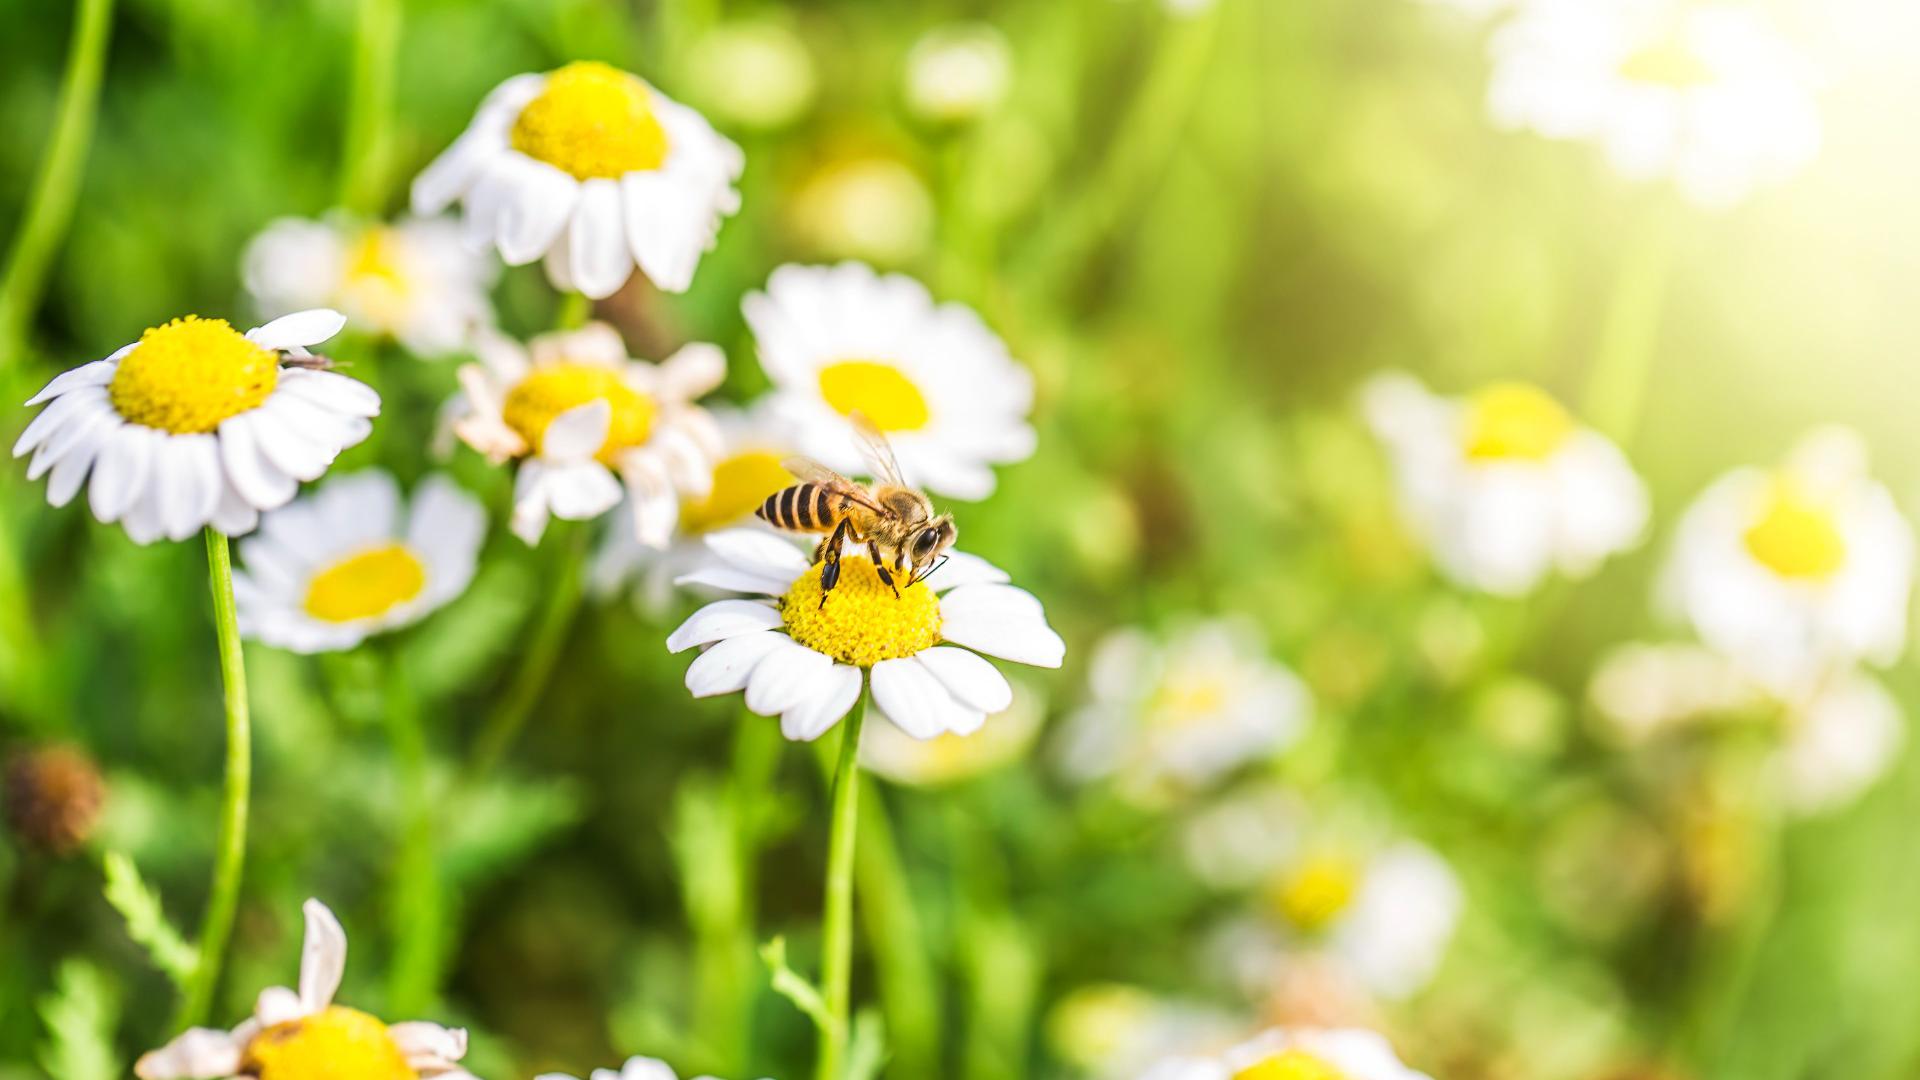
(592, 169)
(1296, 1054)
(1504, 485)
(415, 281)
(589, 425)
(958, 73)
(887, 751)
(197, 424)
(304, 1034)
(1169, 719)
(348, 561)
(806, 661)
(636, 1068)
(1797, 571)
(1109, 1031)
(747, 470)
(755, 73)
(1643, 690)
(1840, 742)
(842, 339)
(1709, 95)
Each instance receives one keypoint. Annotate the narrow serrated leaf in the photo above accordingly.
(80, 1015)
(146, 922)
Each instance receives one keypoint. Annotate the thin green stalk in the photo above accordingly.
(367, 143)
(415, 914)
(57, 186)
(223, 896)
(836, 921)
(909, 986)
(1623, 364)
(542, 652)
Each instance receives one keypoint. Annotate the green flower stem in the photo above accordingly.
(909, 986)
(1617, 385)
(223, 896)
(57, 186)
(415, 912)
(836, 921)
(542, 652)
(367, 143)
(575, 310)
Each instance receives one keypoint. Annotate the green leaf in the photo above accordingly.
(867, 1047)
(147, 923)
(793, 986)
(80, 1014)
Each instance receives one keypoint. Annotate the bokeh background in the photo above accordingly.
(1202, 227)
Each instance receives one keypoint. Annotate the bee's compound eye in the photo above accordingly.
(923, 543)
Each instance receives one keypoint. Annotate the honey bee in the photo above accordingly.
(903, 535)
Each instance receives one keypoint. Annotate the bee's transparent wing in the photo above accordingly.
(876, 450)
(812, 472)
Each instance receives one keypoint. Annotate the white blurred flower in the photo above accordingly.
(951, 758)
(865, 206)
(1709, 95)
(593, 169)
(415, 281)
(1166, 719)
(756, 73)
(1110, 1031)
(303, 1033)
(590, 425)
(1296, 1054)
(345, 562)
(1503, 484)
(957, 73)
(636, 1068)
(1841, 742)
(1641, 690)
(1796, 572)
(839, 339)
(197, 425)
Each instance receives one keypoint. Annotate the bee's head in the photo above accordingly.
(930, 544)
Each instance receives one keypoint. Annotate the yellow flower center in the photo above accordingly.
(365, 585)
(1291, 1065)
(1667, 63)
(552, 389)
(862, 622)
(191, 374)
(375, 280)
(1796, 535)
(740, 483)
(1511, 421)
(1183, 701)
(1317, 891)
(592, 120)
(888, 397)
(335, 1044)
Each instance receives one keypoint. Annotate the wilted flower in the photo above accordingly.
(415, 281)
(343, 563)
(52, 797)
(1796, 571)
(197, 424)
(1296, 1054)
(575, 410)
(1169, 719)
(957, 73)
(842, 339)
(805, 657)
(1504, 485)
(294, 1035)
(1710, 95)
(595, 170)
(756, 74)
(887, 751)
(868, 206)
(636, 1068)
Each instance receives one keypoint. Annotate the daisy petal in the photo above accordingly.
(120, 475)
(298, 330)
(98, 373)
(578, 433)
(824, 707)
(725, 668)
(971, 680)
(1022, 640)
(599, 262)
(917, 702)
(788, 675)
(758, 552)
(723, 619)
(194, 1054)
(323, 958)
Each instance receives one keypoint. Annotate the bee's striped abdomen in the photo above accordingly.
(800, 508)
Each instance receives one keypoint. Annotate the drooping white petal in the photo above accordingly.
(917, 702)
(971, 680)
(599, 260)
(788, 675)
(427, 1045)
(257, 479)
(727, 666)
(538, 204)
(97, 373)
(823, 708)
(723, 619)
(577, 434)
(56, 415)
(120, 475)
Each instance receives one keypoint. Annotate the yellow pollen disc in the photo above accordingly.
(1291, 1065)
(1511, 421)
(552, 389)
(368, 584)
(1314, 894)
(888, 397)
(592, 120)
(1180, 702)
(740, 483)
(862, 623)
(375, 278)
(334, 1044)
(1796, 535)
(191, 374)
(1667, 63)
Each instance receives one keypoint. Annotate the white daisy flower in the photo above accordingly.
(415, 281)
(887, 751)
(636, 1068)
(593, 169)
(1108, 1031)
(1503, 485)
(1709, 95)
(1799, 571)
(197, 424)
(1841, 742)
(588, 424)
(842, 339)
(1170, 719)
(958, 73)
(344, 562)
(806, 661)
(302, 1033)
(1296, 1054)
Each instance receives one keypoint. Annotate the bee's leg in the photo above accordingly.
(830, 556)
(880, 567)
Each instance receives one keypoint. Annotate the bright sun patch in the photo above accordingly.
(1796, 535)
(1290, 1065)
(888, 397)
(190, 375)
(336, 1042)
(1511, 421)
(862, 622)
(1668, 64)
(552, 389)
(366, 585)
(1317, 891)
(740, 483)
(592, 121)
